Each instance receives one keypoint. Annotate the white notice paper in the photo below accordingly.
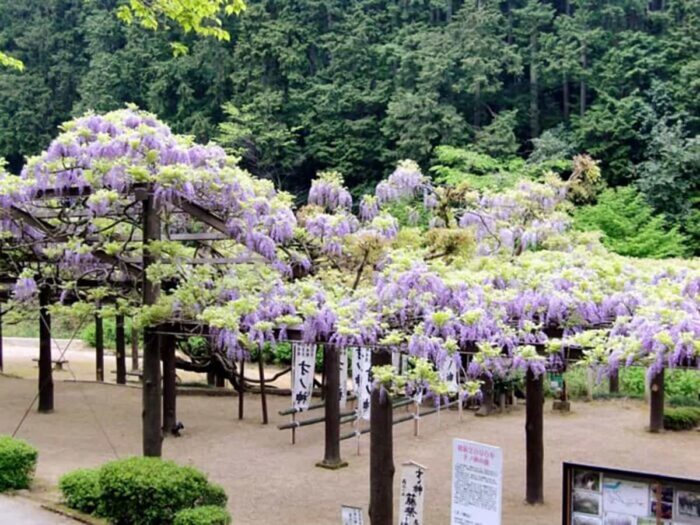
(625, 497)
(362, 380)
(352, 515)
(412, 494)
(477, 483)
(304, 370)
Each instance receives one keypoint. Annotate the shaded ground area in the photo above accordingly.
(271, 481)
(15, 510)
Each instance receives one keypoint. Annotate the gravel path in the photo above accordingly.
(270, 481)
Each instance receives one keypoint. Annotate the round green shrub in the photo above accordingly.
(81, 490)
(208, 515)
(681, 418)
(149, 491)
(213, 495)
(17, 463)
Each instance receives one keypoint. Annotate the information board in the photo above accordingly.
(605, 496)
(477, 483)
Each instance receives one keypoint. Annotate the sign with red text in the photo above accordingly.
(477, 483)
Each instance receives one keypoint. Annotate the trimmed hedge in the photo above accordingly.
(140, 491)
(17, 463)
(81, 490)
(681, 418)
(208, 515)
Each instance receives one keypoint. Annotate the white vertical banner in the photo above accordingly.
(362, 380)
(412, 494)
(343, 358)
(448, 374)
(477, 483)
(352, 515)
(304, 358)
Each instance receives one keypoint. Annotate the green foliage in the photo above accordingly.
(8, 61)
(81, 490)
(197, 16)
(208, 515)
(629, 226)
(681, 418)
(498, 139)
(17, 463)
(109, 333)
(308, 85)
(149, 491)
(454, 166)
(683, 401)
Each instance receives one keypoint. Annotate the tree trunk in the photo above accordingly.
(169, 385)
(582, 84)
(120, 350)
(565, 97)
(487, 396)
(534, 422)
(99, 349)
(656, 419)
(331, 364)
(152, 417)
(45, 372)
(381, 470)
(534, 89)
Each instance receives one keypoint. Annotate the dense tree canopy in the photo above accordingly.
(312, 85)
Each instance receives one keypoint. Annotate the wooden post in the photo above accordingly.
(241, 389)
(381, 469)
(220, 380)
(152, 416)
(134, 348)
(169, 385)
(331, 366)
(211, 377)
(120, 350)
(263, 394)
(614, 381)
(656, 419)
(45, 373)
(534, 422)
(487, 392)
(99, 349)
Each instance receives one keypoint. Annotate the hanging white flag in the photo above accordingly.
(304, 356)
(448, 374)
(352, 515)
(412, 494)
(343, 358)
(362, 380)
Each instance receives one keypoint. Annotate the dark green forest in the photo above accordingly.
(355, 85)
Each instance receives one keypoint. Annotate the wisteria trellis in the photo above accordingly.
(427, 269)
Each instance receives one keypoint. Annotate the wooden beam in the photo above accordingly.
(381, 461)
(45, 372)
(331, 365)
(534, 439)
(656, 405)
(120, 350)
(202, 214)
(99, 349)
(169, 385)
(152, 416)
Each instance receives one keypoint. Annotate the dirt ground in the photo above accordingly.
(270, 481)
